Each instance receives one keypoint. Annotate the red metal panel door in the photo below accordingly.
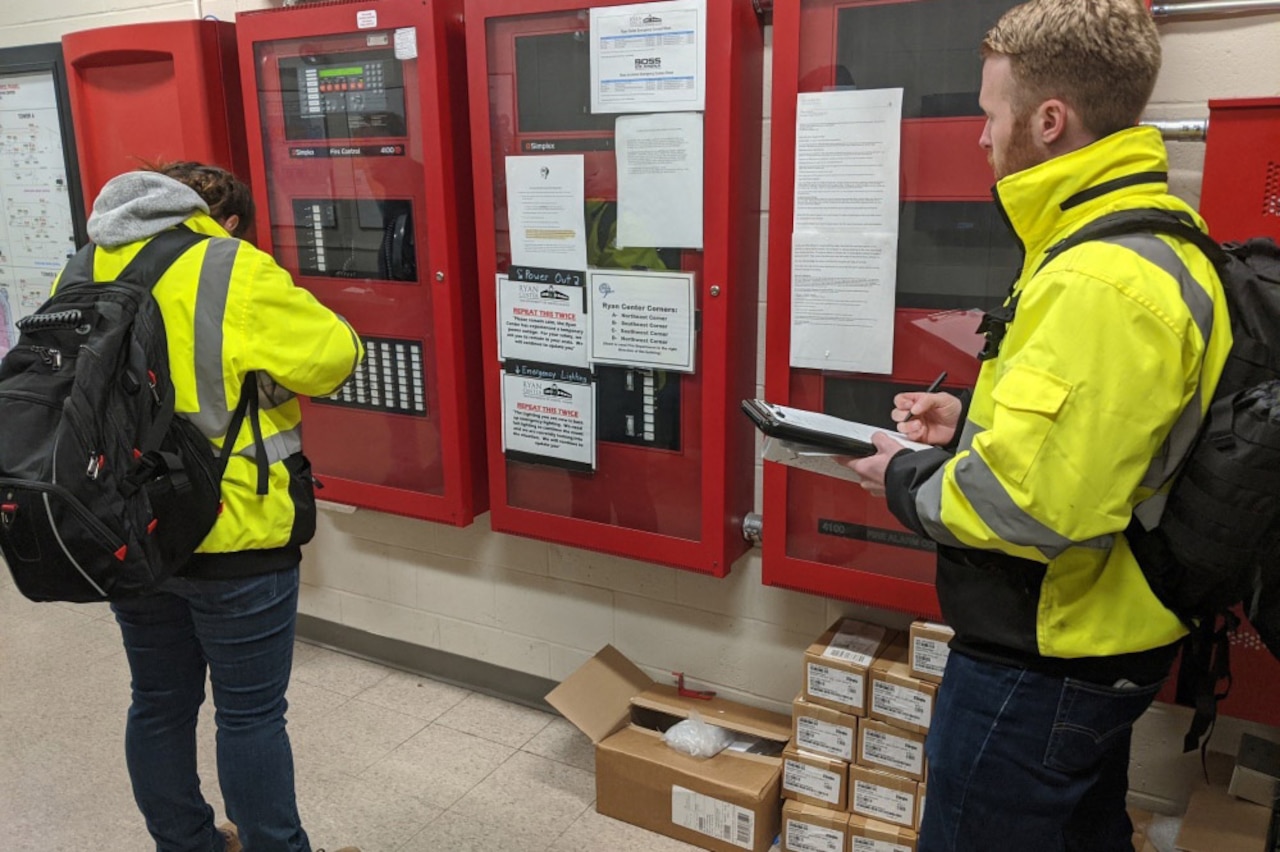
(824, 535)
(362, 178)
(677, 498)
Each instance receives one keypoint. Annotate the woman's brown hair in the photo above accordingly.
(225, 193)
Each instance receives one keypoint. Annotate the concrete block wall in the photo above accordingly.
(543, 609)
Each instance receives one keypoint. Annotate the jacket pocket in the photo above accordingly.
(1027, 404)
(302, 490)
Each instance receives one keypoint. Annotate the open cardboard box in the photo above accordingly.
(726, 802)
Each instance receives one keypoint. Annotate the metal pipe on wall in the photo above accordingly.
(1181, 130)
(1214, 7)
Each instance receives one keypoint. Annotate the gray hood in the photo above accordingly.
(137, 205)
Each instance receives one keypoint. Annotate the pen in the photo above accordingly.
(937, 383)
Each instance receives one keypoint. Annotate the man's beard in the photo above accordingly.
(1020, 154)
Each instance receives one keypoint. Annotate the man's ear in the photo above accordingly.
(1051, 122)
(231, 223)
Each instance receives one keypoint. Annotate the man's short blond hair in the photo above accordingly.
(1099, 56)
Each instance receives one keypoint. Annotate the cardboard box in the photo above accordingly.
(869, 835)
(836, 665)
(1256, 777)
(814, 779)
(920, 807)
(884, 796)
(822, 730)
(806, 828)
(929, 649)
(1218, 822)
(883, 746)
(726, 803)
(897, 697)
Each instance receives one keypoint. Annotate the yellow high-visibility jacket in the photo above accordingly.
(1100, 384)
(229, 309)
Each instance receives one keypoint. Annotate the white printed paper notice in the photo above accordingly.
(845, 236)
(848, 146)
(545, 211)
(549, 412)
(642, 319)
(713, 817)
(649, 57)
(542, 322)
(660, 180)
(842, 300)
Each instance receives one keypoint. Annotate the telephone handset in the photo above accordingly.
(399, 259)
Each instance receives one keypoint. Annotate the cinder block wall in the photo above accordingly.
(543, 609)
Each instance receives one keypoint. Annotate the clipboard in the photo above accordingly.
(838, 436)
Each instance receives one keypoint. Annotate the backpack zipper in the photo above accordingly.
(100, 530)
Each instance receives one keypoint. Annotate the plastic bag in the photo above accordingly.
(697, 738)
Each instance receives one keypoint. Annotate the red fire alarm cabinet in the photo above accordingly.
(617, 155)
(151, 93)
(361, 172)
(954, 256)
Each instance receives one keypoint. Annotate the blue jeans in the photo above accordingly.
(1020, 760)
(242, 630)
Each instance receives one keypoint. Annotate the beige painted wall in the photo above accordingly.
(544, 609)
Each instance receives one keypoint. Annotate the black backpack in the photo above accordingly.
(1217, 544)
(104, 492)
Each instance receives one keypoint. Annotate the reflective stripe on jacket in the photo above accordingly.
(1099, 386)
(230, 309)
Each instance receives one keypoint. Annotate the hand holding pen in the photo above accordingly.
(927, 416)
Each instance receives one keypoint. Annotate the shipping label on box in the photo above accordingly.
(897, 696)
(712, 817)
(824, 730)
(800, 836)
(902, 703)
(884, 803)
(838, 685)
(929, 649)
(870, 835)
(856, 643)
(868, 844)
(891, 748)
(815, 782)
(808, 828)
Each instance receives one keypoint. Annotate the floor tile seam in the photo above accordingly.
(432, 719)
(485, 738)
(557, 760)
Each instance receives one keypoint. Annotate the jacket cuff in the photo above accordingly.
(906, 473)
(966, 397)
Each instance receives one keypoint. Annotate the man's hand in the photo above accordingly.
(934, 416)
(871, 468)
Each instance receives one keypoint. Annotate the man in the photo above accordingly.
(1076, 418)
(228, 310)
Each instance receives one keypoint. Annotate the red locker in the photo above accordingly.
(360, 159)
(152, 93)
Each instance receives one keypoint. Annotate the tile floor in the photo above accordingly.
(386, 760)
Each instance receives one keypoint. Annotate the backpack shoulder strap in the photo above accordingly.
(160, 252)
(147, 266)
(1142, 221)
(79, 270)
